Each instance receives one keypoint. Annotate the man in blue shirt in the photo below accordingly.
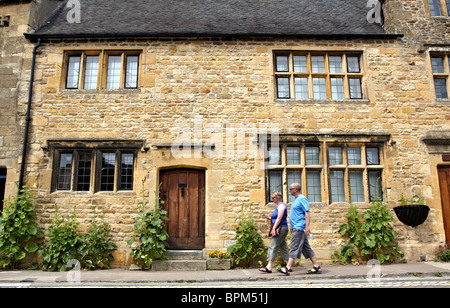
(299, 226)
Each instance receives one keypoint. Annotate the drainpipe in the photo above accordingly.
(28, 118)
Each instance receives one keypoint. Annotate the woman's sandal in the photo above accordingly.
(315, 270)
(265, 270)
(284, 270)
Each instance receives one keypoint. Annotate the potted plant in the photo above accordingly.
(218, 260)
(412, 212)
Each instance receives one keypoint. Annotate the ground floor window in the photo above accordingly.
(329, 172)
(93, 169)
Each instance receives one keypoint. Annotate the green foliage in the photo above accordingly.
(93, 250)
(418, 200)
(63, 245)
(19, 234)
(371, 235)
(443, 254)
(152, 237)
(249, 243)
(97, 247)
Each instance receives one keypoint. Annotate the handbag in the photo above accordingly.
(277, 230)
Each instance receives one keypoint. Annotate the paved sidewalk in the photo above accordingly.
(119, 275)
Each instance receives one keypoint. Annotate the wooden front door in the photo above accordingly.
(444, 185)
(183, 193)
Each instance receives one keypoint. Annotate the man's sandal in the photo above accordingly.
(265, 270)
(284, 270)
(315, 270)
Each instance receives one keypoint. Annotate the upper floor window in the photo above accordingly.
(441, 72)
(316, 75)
(439, 7)
(102, 70)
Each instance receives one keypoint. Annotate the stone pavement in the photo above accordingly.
(338, 272)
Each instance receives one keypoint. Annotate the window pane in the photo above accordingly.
(274, 156)
(335, 155)
(73, 72)
(113, 78)
(337, 88)
(91, 74)
(312, 155)
(438, 65)
(440, 86)
(337, 186)
(293, 176)
(372, 156)
(274, 182)
(126, 171)
(293, 155)
(355, 88)
(335, 64)
(353, 65)
(447, 2)
(435, 8)
(354, 156)
(84, 172)
(320, 89)
(318, 64)
(375, 189)
(107, 174)
(356, 186)
(314, 187)
(300, 64)
(283, 87)
(301, 88)
(282, 63)
(131, 74)
(64, 171)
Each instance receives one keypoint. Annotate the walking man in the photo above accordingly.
(299, 218)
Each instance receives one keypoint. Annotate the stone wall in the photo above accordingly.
(15, 68)
(413, 19)
(15, 60)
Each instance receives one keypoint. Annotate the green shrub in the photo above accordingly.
(249, 243)
(443, 253)
(92, 250)
(63, 245)
(371, 235)
(96, 249)
(151, 234)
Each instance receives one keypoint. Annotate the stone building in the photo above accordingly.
(16, 18)
(219, 103)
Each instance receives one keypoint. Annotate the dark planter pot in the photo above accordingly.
(412, 214)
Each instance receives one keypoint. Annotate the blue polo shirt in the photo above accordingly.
(297, 215)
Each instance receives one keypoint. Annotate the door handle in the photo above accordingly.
(182, 186)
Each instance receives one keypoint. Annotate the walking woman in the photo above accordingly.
(278, 242)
